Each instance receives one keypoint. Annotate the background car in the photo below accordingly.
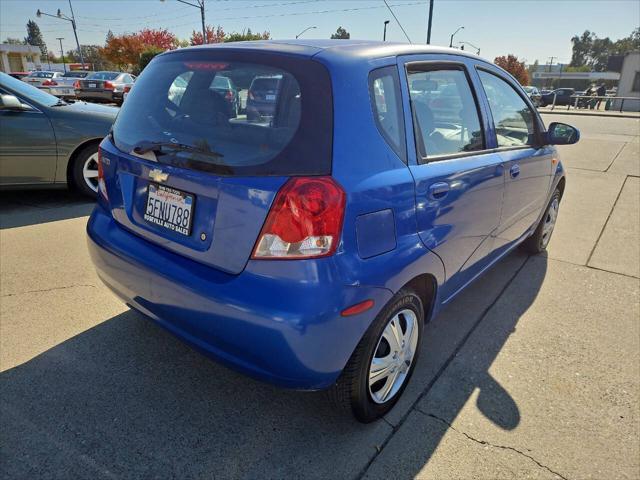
(262, 97)
(18, 75)
(224, 86)
(563, 97)
(45, 141)
(103, 86)
(65, 83)
(42, 79)
(534, 94)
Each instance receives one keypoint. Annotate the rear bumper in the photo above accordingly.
(106, 96)
(276, 321)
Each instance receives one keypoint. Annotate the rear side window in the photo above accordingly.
(185, 98)
(512, 117)
(445, 114)
(384, 90)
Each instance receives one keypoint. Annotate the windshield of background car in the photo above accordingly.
(176, 101)
(103, 76)
(26, 91)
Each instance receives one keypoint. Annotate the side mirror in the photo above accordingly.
(562, 134)
(10, 102)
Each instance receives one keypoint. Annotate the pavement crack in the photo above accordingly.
(48, 289)
(484, 442)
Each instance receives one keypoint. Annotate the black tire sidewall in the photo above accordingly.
(364, 408)
(78, 165)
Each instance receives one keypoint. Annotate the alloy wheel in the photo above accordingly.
(550, 221)
(90, 172)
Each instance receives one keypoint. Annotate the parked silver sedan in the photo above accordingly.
(42, 78)
(65, 85)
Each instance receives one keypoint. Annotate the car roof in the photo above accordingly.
(354, 50)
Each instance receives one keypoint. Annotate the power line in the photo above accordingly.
(399, 24)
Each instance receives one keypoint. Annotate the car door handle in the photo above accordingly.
(514, 171)
(439, 190)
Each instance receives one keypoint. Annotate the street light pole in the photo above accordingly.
(384, 35)
(75, 33)
(308, 28)
(64, 66)
(199, 4)
(62, 16)
(471, 45)
(430, 20)
(453, 35)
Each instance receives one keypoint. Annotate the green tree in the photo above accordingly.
(110, 36)
(246, 36)
(147, 55)
(34, 37)
(13, 41)
(341, 34)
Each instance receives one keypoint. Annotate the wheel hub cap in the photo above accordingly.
(393, 356)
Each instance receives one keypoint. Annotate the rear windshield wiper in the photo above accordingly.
(156, 147)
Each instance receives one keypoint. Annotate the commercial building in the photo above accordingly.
(19, 58)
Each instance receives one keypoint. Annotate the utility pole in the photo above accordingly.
(64, 66)
(430, 21)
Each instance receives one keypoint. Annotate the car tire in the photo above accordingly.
(85, 171)
(538, 242)
(353, 391)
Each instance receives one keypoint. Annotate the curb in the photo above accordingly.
(590, 114)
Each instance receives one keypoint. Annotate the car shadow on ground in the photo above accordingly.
(125, 399)
(19, 208)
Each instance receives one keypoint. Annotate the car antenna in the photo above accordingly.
(399, 24)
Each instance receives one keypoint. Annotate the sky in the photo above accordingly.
(529, 29)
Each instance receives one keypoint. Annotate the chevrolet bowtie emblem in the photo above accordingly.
(158, 175)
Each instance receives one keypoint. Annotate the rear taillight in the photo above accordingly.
(305, 220)
(251, 95)
(76, 84)
(102, 186)
(229, 95)
(108, 85)
(49, 83)
(127, 89)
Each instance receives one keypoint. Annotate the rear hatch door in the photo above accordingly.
(187, 175)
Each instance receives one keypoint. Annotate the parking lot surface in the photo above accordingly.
(533, 372)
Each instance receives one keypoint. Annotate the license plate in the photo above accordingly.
(92, 85)
(169, 208)
(271, 97)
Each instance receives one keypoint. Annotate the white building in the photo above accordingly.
(629, 85)
(19, 58)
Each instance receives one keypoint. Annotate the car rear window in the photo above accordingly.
(75, 74)
(103, 76)
(200, 128)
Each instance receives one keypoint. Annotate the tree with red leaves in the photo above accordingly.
(159, 38)
(515, 67)
(213, 36)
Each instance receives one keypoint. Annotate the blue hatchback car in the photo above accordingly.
(309, 249)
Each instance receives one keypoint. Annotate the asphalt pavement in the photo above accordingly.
(533, 372)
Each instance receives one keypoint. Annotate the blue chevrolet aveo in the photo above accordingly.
(308, 245)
